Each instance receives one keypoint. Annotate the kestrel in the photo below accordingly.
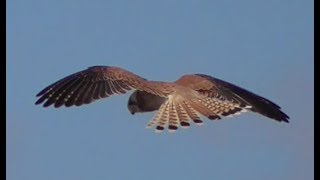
(178, 103)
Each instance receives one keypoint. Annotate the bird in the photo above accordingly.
(186, 101)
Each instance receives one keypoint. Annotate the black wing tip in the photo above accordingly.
(277, 115)
(55, 105)
(47, 102)
(43, 91)
(39, 103)
(284, 118)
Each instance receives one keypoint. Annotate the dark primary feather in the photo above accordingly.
(245, 97)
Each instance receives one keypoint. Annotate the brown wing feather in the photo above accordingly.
(222, 91)
(92, 84)
(216, 109)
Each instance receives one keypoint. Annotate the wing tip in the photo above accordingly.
(284, 118)
(278, 116)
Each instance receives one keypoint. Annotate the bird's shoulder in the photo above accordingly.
(197, 81)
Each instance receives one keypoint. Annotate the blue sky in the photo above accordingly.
(264, 46)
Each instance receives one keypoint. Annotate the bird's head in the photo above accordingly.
(141, 101)
(133, 105)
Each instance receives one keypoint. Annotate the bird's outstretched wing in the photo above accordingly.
(92, 84)
(223, 92)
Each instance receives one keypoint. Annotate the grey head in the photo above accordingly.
(141, 101)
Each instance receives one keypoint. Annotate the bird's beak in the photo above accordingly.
(132, 113)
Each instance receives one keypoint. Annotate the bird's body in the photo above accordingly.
(178, 103)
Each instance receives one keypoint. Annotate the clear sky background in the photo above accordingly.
(264, 46)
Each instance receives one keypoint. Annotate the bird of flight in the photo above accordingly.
(177, 103)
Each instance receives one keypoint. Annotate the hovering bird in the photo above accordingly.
(177, 103)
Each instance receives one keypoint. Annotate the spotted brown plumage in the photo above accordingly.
(178, 103)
